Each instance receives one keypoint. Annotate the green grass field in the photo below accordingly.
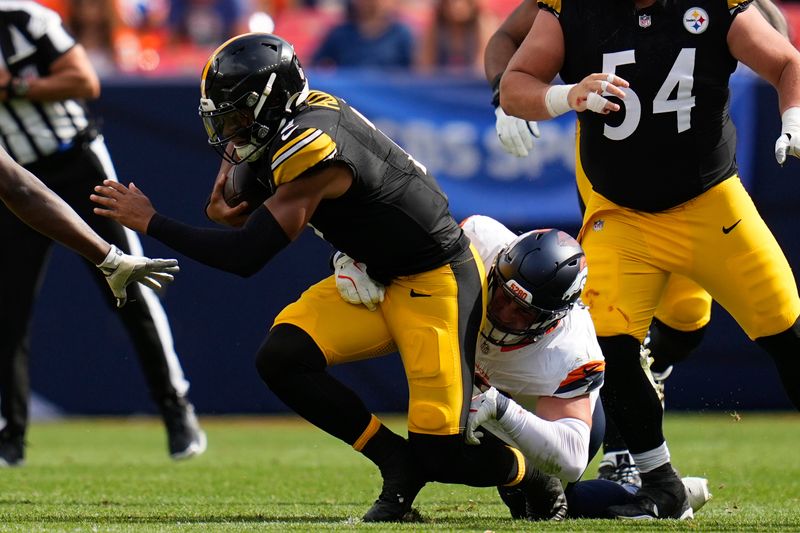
(282, 474)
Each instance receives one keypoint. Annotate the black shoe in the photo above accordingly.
(185, 439)
(12, 449)
(544, 498)
(619, 468)
(662, 495)
(514, 498)
(401, 484)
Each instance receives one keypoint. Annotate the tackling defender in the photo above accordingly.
(538, 346)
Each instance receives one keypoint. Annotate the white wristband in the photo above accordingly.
(791, 121)
(556, 99)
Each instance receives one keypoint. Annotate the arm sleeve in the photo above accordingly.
(559, 448)
(243, 251)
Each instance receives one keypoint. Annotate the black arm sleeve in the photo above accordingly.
(243, 251)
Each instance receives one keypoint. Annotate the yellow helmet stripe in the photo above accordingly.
(211, 60)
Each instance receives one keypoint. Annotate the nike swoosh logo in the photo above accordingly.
(286, 133)
(415, 294)
(730, 228)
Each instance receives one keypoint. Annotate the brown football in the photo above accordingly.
(242, 186)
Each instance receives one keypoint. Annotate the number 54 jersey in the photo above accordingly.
(673, 139)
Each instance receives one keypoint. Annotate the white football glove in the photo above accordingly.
(482, 408)
(789, 141)
(122, 269)
(353, 283)
(515, 134)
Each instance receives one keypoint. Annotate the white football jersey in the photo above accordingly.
(565, 362)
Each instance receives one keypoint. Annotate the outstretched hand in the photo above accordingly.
(122, 269)
(127, 205)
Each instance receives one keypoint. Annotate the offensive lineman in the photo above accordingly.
(538, 346)
(683, 314)
(665, 181)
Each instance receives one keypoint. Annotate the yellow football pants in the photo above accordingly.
(718, 240)
(432, 319)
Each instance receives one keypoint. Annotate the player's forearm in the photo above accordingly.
(559, 447)
(788, 85)
(242, 251)
(523, 96)
(40, 208)
(497, 55)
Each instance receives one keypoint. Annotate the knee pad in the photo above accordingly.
(287, 350)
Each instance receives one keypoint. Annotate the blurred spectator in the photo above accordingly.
(94, 24)
(204, 23)
(456, 36)
(372, 36)
(143, 35)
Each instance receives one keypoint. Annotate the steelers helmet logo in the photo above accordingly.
(695, 20)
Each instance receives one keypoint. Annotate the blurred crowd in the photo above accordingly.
(175, 37)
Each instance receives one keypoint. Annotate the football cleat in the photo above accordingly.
(619, 468)
(185, 439)
(12, 449)
(514, 498)
(400, 486)
(544, 498)
(662, 495)
(697, 492)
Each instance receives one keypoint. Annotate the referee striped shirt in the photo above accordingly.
(32, 37)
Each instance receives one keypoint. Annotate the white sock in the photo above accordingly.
(652, 459)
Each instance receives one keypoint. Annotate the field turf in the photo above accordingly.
(281, 474)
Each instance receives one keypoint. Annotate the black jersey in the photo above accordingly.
(394, 217)
(674, 138)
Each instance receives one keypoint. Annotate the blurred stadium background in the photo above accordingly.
(150, 56)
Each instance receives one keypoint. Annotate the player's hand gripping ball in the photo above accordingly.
(242, 186)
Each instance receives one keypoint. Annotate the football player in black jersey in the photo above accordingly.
(327, 166)
(683, 313)
(649, 80)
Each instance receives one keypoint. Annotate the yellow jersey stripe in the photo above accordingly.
(313, 149)
(283, 149)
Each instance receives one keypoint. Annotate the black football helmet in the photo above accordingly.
(542, 272)
(249, 86)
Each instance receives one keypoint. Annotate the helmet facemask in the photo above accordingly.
(511, 318)
(235, 122)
